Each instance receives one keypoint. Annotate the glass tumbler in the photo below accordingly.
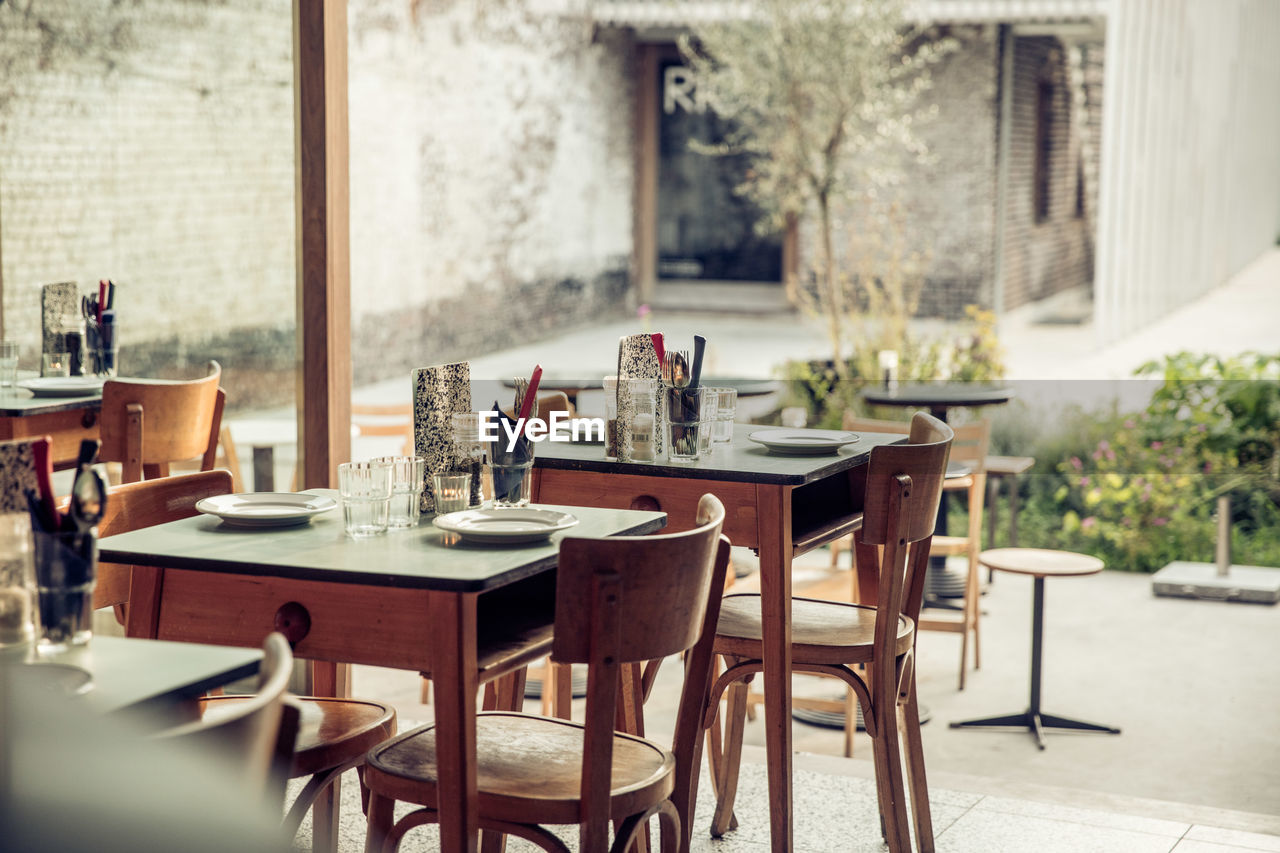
(406, 489)
(726, 412)
(468, 452)
(8, 364)
(19, 621)
(366, 497)
(690, 416)
(66, 573)
(452, 491)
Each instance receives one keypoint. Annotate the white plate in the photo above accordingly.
(266, 509)
(505, 526)
(803, 442)
(63, 386)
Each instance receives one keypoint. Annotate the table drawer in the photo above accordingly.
(676, 496)
(65, 428)
(347, 623)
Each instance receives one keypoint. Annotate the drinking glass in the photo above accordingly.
(406, 489)
(690, 419)
(8, 364)
(18, 595)
(366, 497)
(55, 364)
(468, 451)
(726, 413)
(611, 417)
(66, 571)
(452, 491)
(512, 484)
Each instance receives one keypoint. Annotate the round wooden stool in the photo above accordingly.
(1040, 564)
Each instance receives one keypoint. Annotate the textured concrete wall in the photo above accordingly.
(153, 143)
(490, 181)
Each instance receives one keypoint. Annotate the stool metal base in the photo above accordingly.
(1035, 723)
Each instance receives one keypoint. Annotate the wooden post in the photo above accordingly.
(645, 225)
(323, 235)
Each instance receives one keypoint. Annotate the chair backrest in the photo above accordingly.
(904, 487)
(257, 735)
(136, 505)
(152, 422)
(627, 599)
(970, 445)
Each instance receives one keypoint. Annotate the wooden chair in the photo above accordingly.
(333, 735)
(969, 453)
(904, 484)
(395, 419)
(148, 423)
(619, 600)
(144, 504)
(257, 734)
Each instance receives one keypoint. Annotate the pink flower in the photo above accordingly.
(1076, 463)
(1160, 522)
(1156, 445)
(1085, 482)
(1201, 428)
(1130, 424)
(1086, 523)
(1208, 466)
(1111, 455)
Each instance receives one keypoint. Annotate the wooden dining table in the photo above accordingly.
(780, 506)
(416, 599)
(66, 420)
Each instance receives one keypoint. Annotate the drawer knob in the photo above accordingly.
(293, 620)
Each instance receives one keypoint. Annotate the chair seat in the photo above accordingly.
(528, 769)
(331, 732)
(821, 631)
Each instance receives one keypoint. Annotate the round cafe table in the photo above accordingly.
(1040, 564)
(939, 398)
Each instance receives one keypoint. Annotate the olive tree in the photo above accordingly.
(825, 95)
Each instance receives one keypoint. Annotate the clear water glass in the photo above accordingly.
(726, 400)
(18, 601)
(406, 489)
(366, 497)
(8, 364)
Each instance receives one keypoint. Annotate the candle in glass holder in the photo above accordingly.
(452, 491)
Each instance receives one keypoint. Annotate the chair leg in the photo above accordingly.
(915, 772)
(425, 694)
(381, 816)
(894, 805)
(850, 720)
(723, 819)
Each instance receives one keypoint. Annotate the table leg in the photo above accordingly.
(264, 469)
(1032, 719)
(455, 677)
(773, 511)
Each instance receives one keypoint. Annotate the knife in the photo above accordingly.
(699, 347)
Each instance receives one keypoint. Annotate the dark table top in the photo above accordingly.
(939, 395)
(744, 387)
(128, 673)
(19, 402)
(419, 558)
(741, 460)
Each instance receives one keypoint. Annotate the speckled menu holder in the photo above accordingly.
(638, 360)
(57, 301)
(18, 481)
(439, 392)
